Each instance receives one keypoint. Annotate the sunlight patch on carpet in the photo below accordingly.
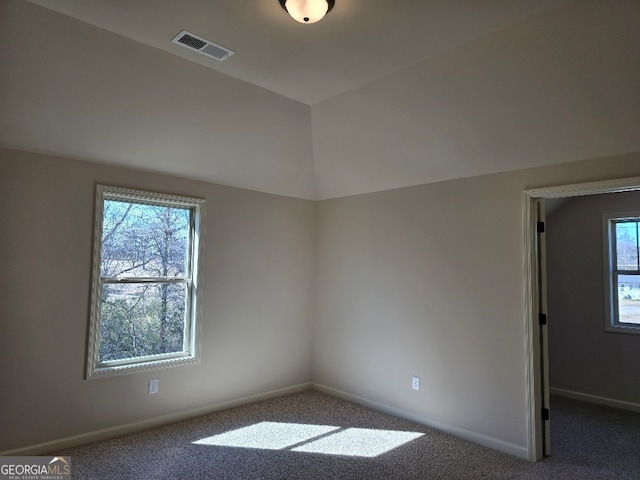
(359, 442)
(324, 439)
(267, 435)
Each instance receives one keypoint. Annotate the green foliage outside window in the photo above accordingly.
(144, 298)
(144, 259)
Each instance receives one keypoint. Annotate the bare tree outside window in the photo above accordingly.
(147, 241)
(144, 309)
(627, 245)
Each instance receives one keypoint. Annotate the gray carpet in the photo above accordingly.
(589, 442)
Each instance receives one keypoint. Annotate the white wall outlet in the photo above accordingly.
(153, 386)
(415, 383)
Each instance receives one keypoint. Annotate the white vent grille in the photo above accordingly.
(198, 44)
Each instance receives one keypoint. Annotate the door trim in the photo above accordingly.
(533, 360)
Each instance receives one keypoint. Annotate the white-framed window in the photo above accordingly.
(144, 297)
(621, 240)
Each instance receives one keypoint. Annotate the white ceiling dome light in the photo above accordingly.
(307, 11)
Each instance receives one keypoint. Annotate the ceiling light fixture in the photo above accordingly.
(307, 11)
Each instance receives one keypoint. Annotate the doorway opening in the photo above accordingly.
(537, 359)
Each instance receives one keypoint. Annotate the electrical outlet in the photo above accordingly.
(153, 386)
(415, 383)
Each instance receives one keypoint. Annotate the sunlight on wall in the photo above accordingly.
(325, 439)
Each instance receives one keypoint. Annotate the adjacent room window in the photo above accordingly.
(144, 311)
(621, 234)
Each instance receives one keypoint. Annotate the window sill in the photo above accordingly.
(113, 371)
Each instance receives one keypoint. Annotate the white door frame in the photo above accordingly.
(532, 330)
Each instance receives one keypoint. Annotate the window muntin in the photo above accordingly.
(622, 271)
(147, 248)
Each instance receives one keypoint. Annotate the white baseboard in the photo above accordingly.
(133, 427)
(585, 397)
(490, 442)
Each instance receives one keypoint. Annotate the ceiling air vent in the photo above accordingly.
(210, 49)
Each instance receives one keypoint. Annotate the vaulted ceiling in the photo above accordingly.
(378, 95)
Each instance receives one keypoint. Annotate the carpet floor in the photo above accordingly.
(311, 435)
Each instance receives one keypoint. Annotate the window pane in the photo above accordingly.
(627, 245)
(629, 299)
(140, 319)
(144, 240)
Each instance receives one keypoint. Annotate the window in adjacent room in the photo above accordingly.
(144, 311)
(621, 234)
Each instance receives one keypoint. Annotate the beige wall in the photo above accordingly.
(424, 280)
(256, 313)
(584, 358)
(428, 281)
(72, 89)
(559, 87)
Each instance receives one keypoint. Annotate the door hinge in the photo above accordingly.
(545, 414)
(540, 227)
(542, 319)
